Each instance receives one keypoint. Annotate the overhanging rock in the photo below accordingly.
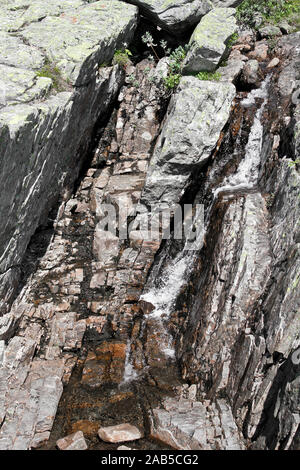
(176, 16)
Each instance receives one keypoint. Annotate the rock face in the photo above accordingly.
(120, 433)
(209, 40)
(250, 354)
(178, 16)
(43, 136)
(191, 425)
(77, 287)
(99, 309)
(196, 115)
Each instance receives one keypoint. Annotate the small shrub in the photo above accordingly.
(122, 57)
(212, 76)
(172, 80)
(272, 11)
(232, 40)
(175, 67)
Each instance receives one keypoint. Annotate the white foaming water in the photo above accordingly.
(246, 176)
(130, 373)
(172, 279)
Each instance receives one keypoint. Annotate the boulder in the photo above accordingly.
(74, 441)
(250, 74)
(196, 115)
(208, 43)
(120, 433)
(175, 16)
(270, 31)
(52, 93)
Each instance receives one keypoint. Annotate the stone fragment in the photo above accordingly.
(260, 52)
(120, 433)
(274, 62)
(74, 441)
(250, 73)
(270, 31)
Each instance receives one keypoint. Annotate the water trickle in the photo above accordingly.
(173, 278)
(246, 177)
(130, 373)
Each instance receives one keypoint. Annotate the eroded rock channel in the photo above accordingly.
(196, 348)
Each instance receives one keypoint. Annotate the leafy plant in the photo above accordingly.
(232, 40)
(122, 57)
(175, 67)
(212, 76)
(148, 39)
(172, 80)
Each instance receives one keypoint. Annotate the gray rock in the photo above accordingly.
(209, 39)
(233, 68)
(176, 16)
(269, 31)
(250, 73)
(190, 132)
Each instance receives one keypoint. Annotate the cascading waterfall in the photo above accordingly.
(246, 177)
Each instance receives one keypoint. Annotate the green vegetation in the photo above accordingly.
(212, 76)
(122, 57)
(232, 40)
(175, 67)
(271, 11)
(50, 70)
